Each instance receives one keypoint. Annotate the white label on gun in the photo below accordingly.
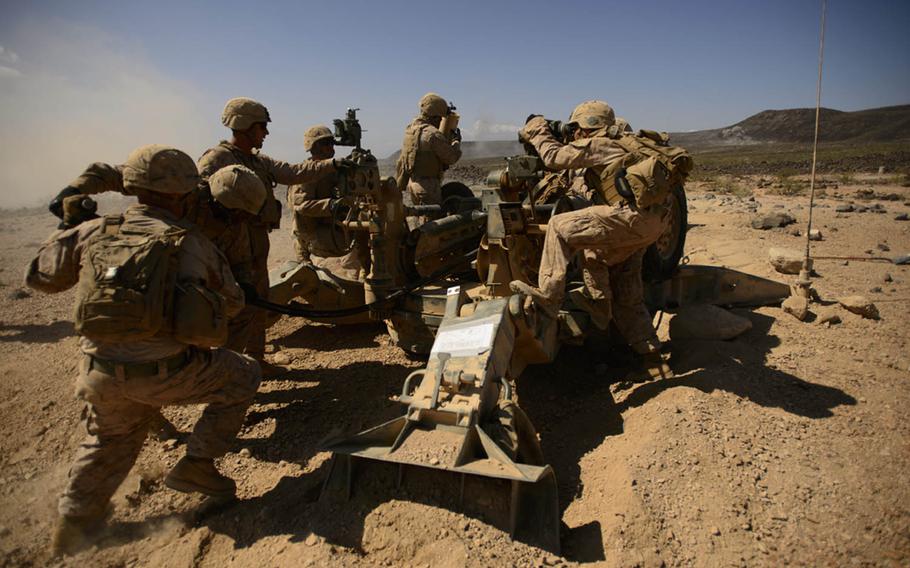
(464, 341)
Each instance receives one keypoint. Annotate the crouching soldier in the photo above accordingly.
(153, 299)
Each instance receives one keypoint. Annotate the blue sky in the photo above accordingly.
(84, 81)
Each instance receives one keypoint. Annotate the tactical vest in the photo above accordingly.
(129, 290)
(416, 160)
(653, 169)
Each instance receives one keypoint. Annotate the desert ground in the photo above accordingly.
(787, 445)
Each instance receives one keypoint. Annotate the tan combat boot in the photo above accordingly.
(200, 476)
(74, 534)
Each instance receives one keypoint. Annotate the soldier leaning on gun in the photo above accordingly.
(426, 153)
(618, 233)
(125, 382)
(314, 207)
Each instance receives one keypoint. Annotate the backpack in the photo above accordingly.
(127, 282)
(652, 168)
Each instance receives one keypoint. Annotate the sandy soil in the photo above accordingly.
(787, 445)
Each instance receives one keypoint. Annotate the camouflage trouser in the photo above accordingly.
(424, 191)
(613, 241)
(621, 290)
(120, 410)
(616, 233)
(246, 331)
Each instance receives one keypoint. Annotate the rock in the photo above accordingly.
(795, 232)
(785, 261)
(715, 531)
(707, 322)
(883, 247)
(876, 289)
(888, 278)
(861, 209)
(860, 305)
(827, 315)
(19, 294)
(902, 217)
(796, 306)
(845, 208)
(281, 358)
(245, 453)
(311, 540)
(710, 196)
(815, 235)
(772, 221)
(902, 260)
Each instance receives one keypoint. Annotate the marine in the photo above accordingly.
(612, 237)
(248, 121)
(153, 299)
(426, 153)
(315, 208)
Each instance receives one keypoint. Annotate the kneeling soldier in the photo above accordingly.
(153, 301)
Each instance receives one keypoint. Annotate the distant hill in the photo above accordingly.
(886, 124)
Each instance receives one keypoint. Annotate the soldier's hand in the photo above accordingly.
(56, 205)
(456, 134)
(77, 209)
(343, 164)
(530, 116)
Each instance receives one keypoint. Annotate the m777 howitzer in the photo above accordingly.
(461, 416)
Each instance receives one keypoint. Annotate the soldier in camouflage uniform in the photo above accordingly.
(248, 121)
(426, 153)
(314, 207)
(126, 382)
(612, 237)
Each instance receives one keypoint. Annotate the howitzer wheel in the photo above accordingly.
(663, 256)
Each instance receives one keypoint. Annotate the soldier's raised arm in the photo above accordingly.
(448, 151)
(56, 266)
(303, 172)
(585, 153)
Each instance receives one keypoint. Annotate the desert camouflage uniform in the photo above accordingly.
(311, 204)
(425, 155)
(122, 399)
(247, 330)
(616, 237)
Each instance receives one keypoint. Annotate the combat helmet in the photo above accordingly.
(238, 187)
(432, 105)
(592, 115)
(160, 169)
(241, 113)
(315, 134)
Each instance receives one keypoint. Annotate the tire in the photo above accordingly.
(456, 197)
(663, 256)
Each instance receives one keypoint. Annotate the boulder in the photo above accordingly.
(901, 217)
(707, 322)
(845, 208)
(785, 261)
(796, 306)
(815, 235)
(772, 221)
(860, 305)
(828, 315)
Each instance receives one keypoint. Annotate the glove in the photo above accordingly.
(56, 205)
(344, 164)
(456, 134)
(250, 294)
(76, 210)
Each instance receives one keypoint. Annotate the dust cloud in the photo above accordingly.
(72, 95)
(484, 129)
